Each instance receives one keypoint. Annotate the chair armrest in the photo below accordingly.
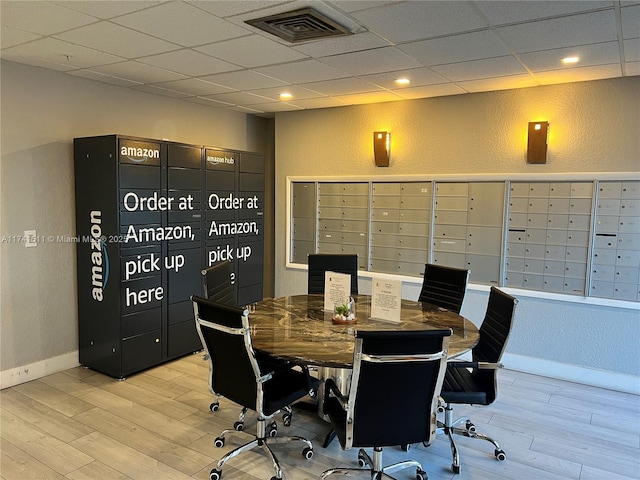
(476, 365)
(331, 387)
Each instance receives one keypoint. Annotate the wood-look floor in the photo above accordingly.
(81, 425)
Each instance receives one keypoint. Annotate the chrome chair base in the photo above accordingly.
(376, 470)
(464, 427)
(265, 435)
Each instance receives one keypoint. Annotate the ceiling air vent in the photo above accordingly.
(300, 26)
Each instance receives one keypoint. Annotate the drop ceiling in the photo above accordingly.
(205, 52)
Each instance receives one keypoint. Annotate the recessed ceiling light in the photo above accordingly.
(402, 81)
(286, 96)
(569, 60)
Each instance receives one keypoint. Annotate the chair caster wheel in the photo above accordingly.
(272, 429)
(275, 478)
(219, 442)
(455, 469)
(361, 462)
(500, 455)
(307, 453)
(405, 447)
(286, 419)
(421, 475)
(471, 428)
(214, 407)
(215, 474)
(238, 426)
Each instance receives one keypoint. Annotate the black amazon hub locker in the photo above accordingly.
(150, 215)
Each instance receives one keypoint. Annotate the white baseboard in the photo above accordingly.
(33, 371)
(537, 366)
(573, 373)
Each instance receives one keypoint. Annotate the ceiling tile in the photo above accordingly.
(501, 83)
(406, 21)
(321, 102)
(43, 18)
(239, 98)
(302, 72)
(210, 102)
(244, 80)
(578, 74)
(336, 46)
(227, 8)
(501, 12)
(479, 69)
(159, 91)
(596, 54)
(561, 32)
(632, 68)
(342, 86)
(251, 51)
(101, 77)
(117, 40)
(36, 62)
(630, 21)
(10, 37)
(138, 72)
(428, 91)
(456, 48)
(369, 97)
(189, 62)
(632, 50)
(57, 51)
(380, 60)
(296, 91)
(277, 107)
(194, 86)
(417, 77)
(355, 5)
(182, 24)
(105, 9)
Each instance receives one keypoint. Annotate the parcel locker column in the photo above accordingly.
(220, 199)
(343, 220)
(615, 271)
(142, 205)
(183, 261)
(400, 227)
(250, 222)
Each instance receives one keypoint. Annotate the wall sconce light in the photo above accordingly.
(381, 148)
(537, 142)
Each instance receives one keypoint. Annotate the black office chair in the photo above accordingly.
(216, 283)
(393, 396)
(475, 382)
(236, 374)
(217, 287)
(444, 286)
(319, 263)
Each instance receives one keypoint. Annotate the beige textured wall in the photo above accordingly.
(41, 112)
(594, 127)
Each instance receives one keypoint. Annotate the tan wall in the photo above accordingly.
(41, 112)
(594, 127)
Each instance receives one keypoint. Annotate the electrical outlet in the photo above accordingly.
(30, 238)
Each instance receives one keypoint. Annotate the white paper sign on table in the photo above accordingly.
(386, 297)
(337, 289)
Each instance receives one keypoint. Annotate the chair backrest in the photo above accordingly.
(224, 331)
(444, 286)
(496, 327)
(319, 263)
(216, 283)
(397, 377)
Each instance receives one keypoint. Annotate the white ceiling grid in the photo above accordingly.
(204, 52)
